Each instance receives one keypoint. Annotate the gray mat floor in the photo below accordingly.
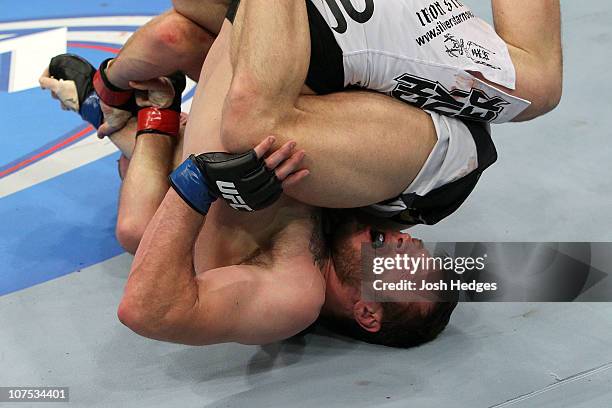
(65, 333)
(552, 183)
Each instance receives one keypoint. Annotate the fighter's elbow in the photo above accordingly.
(550, 98)
(555, 93)
(134, 318)
(545, 95)
(144, 320)
(551, 88)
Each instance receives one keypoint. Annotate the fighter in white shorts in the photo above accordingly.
(453, 64)
(436, 55)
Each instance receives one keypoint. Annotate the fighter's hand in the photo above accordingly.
(157, 92)
(286, 162)
(64, 91)
(114, 120)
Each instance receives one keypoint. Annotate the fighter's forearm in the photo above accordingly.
(162, 279)
(532, 26)
(532, 30)
(124, 139)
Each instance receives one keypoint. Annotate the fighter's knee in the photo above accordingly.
(171, 31)
(247, 114)
(129, 233)
(236, 121)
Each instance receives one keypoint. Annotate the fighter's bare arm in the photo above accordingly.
(166, 299)
(143, 187)
(532, 30)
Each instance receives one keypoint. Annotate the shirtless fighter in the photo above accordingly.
(244, 293)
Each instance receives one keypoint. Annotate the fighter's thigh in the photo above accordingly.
(209, 14)
(361, 147)
(203, 127)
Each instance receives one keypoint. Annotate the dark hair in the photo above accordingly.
(403, 324)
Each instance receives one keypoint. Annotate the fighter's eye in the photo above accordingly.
(378, 238)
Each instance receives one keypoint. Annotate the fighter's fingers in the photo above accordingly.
(156, 84)
(49, 83)
(263, 148)
(105, 130)
(295, 178)
(184, 118)
(280, 155)
(291, 165)
(142, 99)
(45, 74)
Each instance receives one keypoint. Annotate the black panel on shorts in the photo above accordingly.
(326, 71)
(443, 201)
(231, 10)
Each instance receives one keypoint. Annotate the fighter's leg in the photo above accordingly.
(361, 147)
(208, 14)
(270, 55)
(168, 43)
(202, 133)
(532, 30)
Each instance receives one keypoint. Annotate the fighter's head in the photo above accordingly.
(397, 324)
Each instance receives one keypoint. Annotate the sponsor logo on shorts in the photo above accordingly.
(360, 17)
(474, 104)
(457, 47)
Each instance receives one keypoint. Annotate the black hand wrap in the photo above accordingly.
(89, 83)
(242, 180)
(70, 67)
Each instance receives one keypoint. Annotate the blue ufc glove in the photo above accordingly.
(242, 180)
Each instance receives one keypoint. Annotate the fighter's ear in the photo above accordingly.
(368, 315)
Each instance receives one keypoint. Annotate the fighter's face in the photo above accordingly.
(389, 243)
(378, 237)
(348, 260)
